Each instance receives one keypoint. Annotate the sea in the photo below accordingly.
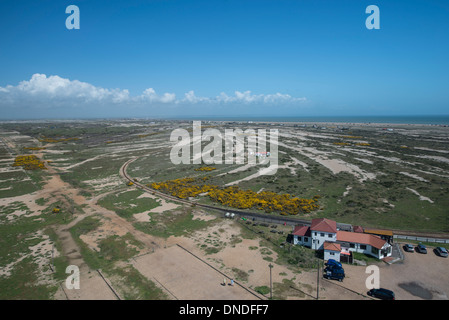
(442, 120)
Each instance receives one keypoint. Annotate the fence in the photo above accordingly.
(421, 239)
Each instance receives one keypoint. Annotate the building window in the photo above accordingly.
(330, 235)
(352, 245)
(306, 239)
(331, 253)
(363, 246)
(322, 234)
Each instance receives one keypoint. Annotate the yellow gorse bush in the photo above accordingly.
(34, 148)
(342, 143)
(205, 169)
(235, 197)
(30, 162)
(51, 140)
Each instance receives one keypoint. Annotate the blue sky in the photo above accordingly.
(223, 57)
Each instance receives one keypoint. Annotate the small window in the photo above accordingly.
(306, 239)
(351, 245)
(363, 246)
(331, 253)
(330, 235)
(322, 234)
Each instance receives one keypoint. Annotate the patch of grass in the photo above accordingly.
(297, 256)
(88, 224)
(132, 285)
(262, 290)
(115, 248)
(240, 275)
(126, 204)
(41, 201)
(21, 284)
(283, 290)
(172, 224)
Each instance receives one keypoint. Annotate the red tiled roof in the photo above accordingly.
(324, 225)
(363, 238)
(332, 246)
(301, 231)
(358, 229)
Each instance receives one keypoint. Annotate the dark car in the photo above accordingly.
(382, 293)
(409, 248)
(334, 273)
(421, 248)
(333, 263)
(442, 252)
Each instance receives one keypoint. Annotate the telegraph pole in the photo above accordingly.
(271, 283)
(318, 280)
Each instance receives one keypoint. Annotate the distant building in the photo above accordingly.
(323, 234)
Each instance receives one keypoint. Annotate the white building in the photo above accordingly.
(324, 235)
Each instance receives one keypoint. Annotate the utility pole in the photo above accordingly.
(53, 257)
(271, 283)
(318, 280)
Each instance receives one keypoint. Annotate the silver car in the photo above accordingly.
(442, 252)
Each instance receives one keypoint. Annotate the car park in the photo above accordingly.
(409, 248)
(442, 252)
(421, 248)
(382, 293)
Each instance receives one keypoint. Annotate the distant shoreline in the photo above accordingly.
(442, 120)
(438, 120)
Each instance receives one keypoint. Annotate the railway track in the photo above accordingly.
(139, 185)
(287, 220)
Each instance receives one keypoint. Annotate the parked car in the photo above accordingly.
(333, 263)
(382, 293)
(442, 252)
(409, 248)
(421, 248)
(334, 273)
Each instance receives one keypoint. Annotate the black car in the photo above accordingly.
(421, 248)
(334, 273)
(382, 293)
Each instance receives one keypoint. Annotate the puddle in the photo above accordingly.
(416, 289)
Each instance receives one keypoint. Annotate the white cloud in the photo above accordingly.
(56, 87)
(57, 92)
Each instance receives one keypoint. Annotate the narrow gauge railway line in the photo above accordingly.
(260, 216)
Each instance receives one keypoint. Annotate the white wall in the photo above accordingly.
(320, 237)
(331, 255)
(302, 241)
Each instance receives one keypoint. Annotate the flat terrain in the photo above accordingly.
(128, 243)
